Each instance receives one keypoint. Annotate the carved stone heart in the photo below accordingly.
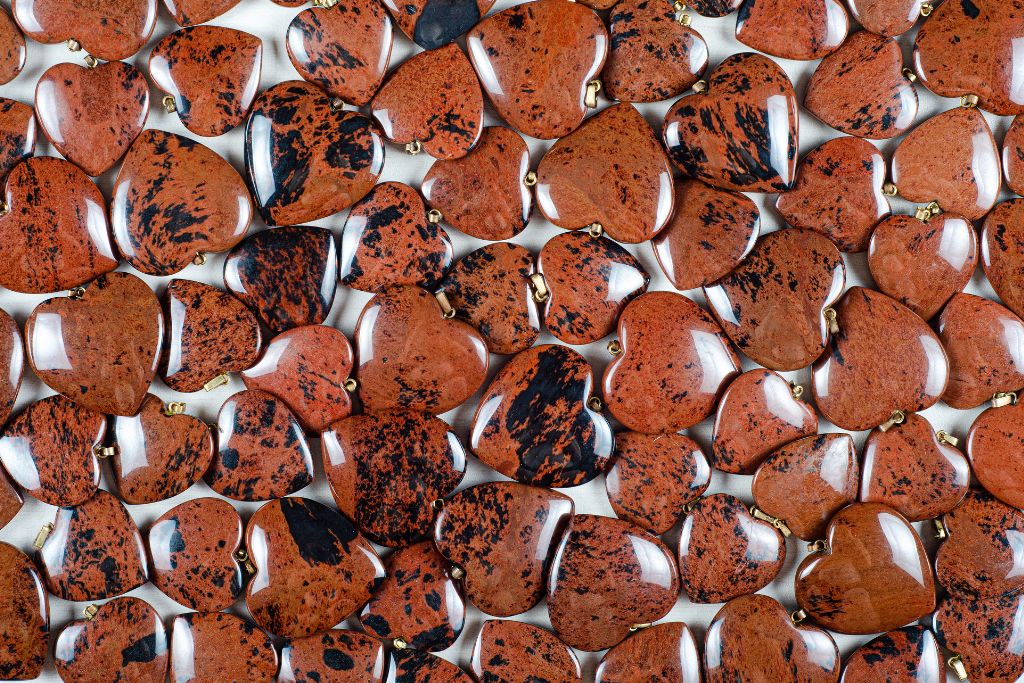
(107, 29)
(326, 655)
(516, 651)
(434, 23)
(12, 365)
(220, 647)
(1002, 252)
(665, 652)
(793, 29)
(12, 48)
(193, 12)
(24, 616)
(886, 17)
(982, 633)
(906, 655)
(17, 134)
(993, 446)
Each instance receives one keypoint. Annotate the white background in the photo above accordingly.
(269, 22)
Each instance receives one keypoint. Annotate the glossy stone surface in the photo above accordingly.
(665, 652)
(193, 549)
(94, 552)
(906, 655)
(345, 49)
(608, 575)
(386, 469)
(12, 365)
(714, 8)
(516, 651)
(17, 134)
(55, 235)
(911, 471)
(306, 554)
(503, 535)
(306, 368)
(192, 12)
(793, 29)
(772, 304)
(106, 29)
(983, 633)
(102, 350)
(287, 276)
(261, 450)
(675, 364)
(590, 281)
(962, 174)
(838, 192)
(874, 577)
(48, 450)
(12, 48)
(434, 23)
(173, 199)
(1013, 155)
(741, 133)
(885, 358)
(210, 648)
(307, 160)
(24, 616)
(410, 356)
(806, 482)
(993, 446)
(886, 17)
(336, 655)
(412, 666)
(124, 640)
(565, 45)
(1002, 252)
(11, 500)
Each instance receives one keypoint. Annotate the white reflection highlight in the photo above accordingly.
(938, 366)
(48, 350)
(653, 567)
(484, 68)
(777, 108)
(183, 650)
(903, 543)
(713, 359)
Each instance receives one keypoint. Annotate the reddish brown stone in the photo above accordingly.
(212, 73)
(107, 29)
(993, 446)
(432, 24)
(906, 655)
(793, 29)
(12, 48)
(94, 551)
(338, 655)
(483, 194)
(24, 616)
(412, 666)
(984, 634)
(10, 499)
(608, 575)
(192, 12)
(1013, 155)
(884, 359)
(806, 482)
(664, 652)
(772, 304)
(727, 136)
(388, 469)
(12, 365)
(675, 363)
(518, 652)
(909, 469)
(714, 8)
(101, 350)
(17, 134)
(159, 455)
(1002, 252)
(410, 356)
(212, 648)
(55, 235)
(962, 173)
(873, 576)
(565, 46)
(313, 569)
(124, 640)
(886, 17)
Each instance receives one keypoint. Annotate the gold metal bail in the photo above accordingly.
(170, 106)
(437, 504)
(325, 3)
(640, 627)
(688, 507)
(400, 643)
(909, 74)
(779, 524)
(898, 417)
(890, 190)
(945, 437)
(941, 532)
(434, 216)
(73, 45)
(351, 385)
(218, 381)
(456, 572)
(446, 306)
(174, 408)
(336, 104)
(44, 531)
(243, 559)
(615, 347)
(832, 318)
(819, 546)
(595, 229)
(595, 403)
(700, 87)
(90, 612)
(4, 208)
(104, 452)
(91, 62)
(957, 665)
(199, 259)
(1004, 398)
(593, 88)
(530, 179)
(923, 214)
(77, 293)
(414, 147)
(927, 8)
(796, 390)
(679, 7)
(539, 285)
(969, 101)
(798, 617)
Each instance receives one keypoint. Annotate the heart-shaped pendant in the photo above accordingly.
(906, 655)
(220, 647)
(887, 17)
(993, 448)
(1013, 154)
(11, 501)
(388, 470)
(612, 172)
(872, 574)
(534, 422)
(313, 569)
(193, 12)
(413, 666)
(793, 29)
(1002, 252)
(17, 134)
(981, 633)
(772, 304)
(123, 639)
(99, 347)
(565, 45)
(740, 133)
(12, 48)
(24, 616)
(107, 29)
(12, 365)
(607, 576)
(434, 23)
(343, 48)
(589, 281)
(308, 158)
(175, 200)
(516, 651)
(665, 652)
(804, 483)
(432, 101)
(336, 655)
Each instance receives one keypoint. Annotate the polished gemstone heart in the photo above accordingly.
(11, 501)
(106, 29)
(49, 450)
(491, 288)
(192, 12)
(159, 454)
(432, 101)
(589, 281)
(653, 477)
(873, 575)
(983, 633)
(336, 655)
(17, 134)
(534, 423)
(12, 48)
(484, 194)
(344, 48)
(663, 652)
(175, 200)
(413, 666)
(753, 639)
(724, 552)
(883, 359)
(565, 45)
(962, 174)
(313, 569)
(793, 29)
(100, 349)
(24, 617)
(607, 576)
(993, 446)
(220, 647)
(675, 363)
(411, 355)
(307, 368)
(886, 17)
(741, 132)
(912, 471)
(434, 23)
(772, 305)
(12, 365)
(710, 233)
(1002, 252)
(308, 158)
(906, 655)
(611, 171)
(124, 640)
(806, 482)
(388, 469)
(516, 651)
(418, 602)
(93, 552)
(261, 450)
(1013, 154)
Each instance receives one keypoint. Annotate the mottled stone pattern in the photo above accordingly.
(12, 364)
(24, 617)
(982, 633)
(1002, 252)
(1013, 153)
(434, 23)
(412, 666)
(793, 29)
(714, 8)
(10, 499)
(212, 648)
(516, 651)
(994, 448)
(17, 134)
(337, 655)
(107, 29)
(191, 12)
(663, 652)
(886, 17)
(12, 48)
(906, 655)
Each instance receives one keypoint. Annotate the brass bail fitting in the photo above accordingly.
(539, 285)
(448, 312)
(434, 216)
(969, 101)
(337, 104)
(927, 212)
(832, 318)
(73, 45)
(640, 627)
(199, 259)
(909, 74)
(593, 87)
(820, 546)
(90, 612)
(796, 390)
(169, 104)
(351, 385)
(437, 504)
(456, 572)
(91, 62)
(927, 8)
(957, 665)
(595, 229)
(77, 293)
(243, 559)
(595, 403)
(941, 532)
(682, 18)
(414, 147)
(798, 617)
(615, 347)
(530, 179)
(700, 87)
(779, 524)
(1004, 398)
(104, 452)
(44, 531)
(400, 643)
(325, 3)
(944, 437)
(218, 381)
(174, 408)
(890, 190)
(898, 417)
(4, 208)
